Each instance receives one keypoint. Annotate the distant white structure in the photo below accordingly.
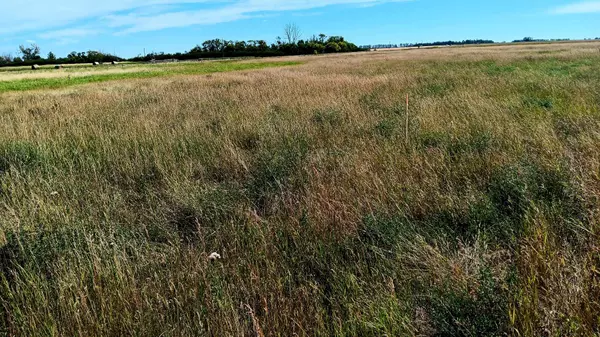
(114, 63)
(96, 63)
(35, 67)
(165, 61)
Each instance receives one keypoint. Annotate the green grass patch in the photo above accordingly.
(19, 156)
(497, 70)
(160, 71)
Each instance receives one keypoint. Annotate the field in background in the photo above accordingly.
(337, 211)
(80, 74)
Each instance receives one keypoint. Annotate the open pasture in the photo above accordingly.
(337, 209)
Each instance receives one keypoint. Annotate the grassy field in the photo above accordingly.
(337, 211)
(70, 76)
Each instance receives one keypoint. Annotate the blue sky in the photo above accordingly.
(126, 27)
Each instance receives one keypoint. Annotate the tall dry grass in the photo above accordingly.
(329, 221)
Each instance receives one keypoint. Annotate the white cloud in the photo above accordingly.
(578, 8)
(130, 16)
(68, 33)
(22, 15)
(133, 23)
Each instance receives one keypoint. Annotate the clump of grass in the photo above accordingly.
(475, 142)
(517, 190)
(327, 118)
(501, 213)
(19, 155)
(248, 140)
(278, 169)
(386, 128)
(495, 69)
(544, 103)
(452, 312)
(436, 89)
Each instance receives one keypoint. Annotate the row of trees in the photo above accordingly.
(31, 55)
(530, 39)
(291, 44)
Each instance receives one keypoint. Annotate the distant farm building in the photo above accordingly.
(35, 67)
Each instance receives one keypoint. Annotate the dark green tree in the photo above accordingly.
(332, 47)
(30, 53)
(94, 56)
(5, 59)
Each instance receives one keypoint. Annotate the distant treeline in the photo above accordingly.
(215, 48)
(530, 39)
(218, 48)
(31, 55)
(426, 44)
(455, 43)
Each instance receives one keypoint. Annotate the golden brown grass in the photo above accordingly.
(329, 221)
(60, 73)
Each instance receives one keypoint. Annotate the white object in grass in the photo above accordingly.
(214, 256)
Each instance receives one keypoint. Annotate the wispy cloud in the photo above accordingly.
(243, 9)
(578, 8)
(69, 33)
(307, 14)
(131, 16)
(67, 36)
(27, 15)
